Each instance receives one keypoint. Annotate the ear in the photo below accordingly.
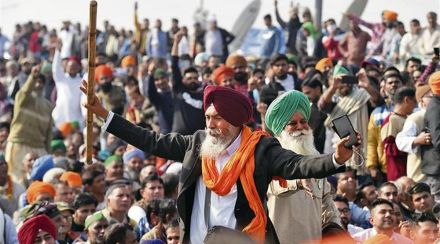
(371, 220)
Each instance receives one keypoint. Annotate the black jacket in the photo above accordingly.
(270, 160)
(431, 153)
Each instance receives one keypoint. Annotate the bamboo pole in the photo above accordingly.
(91, 78)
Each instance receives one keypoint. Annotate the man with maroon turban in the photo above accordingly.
(226, 167)
(36, 230)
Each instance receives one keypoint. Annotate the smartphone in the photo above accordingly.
(343, 127)
(348, 79)
(436, 51)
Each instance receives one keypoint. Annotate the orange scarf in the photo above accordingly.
(241, 164)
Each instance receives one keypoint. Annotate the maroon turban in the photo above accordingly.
(232, 105)
(31, 227)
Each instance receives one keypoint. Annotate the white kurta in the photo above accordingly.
(68, 104)
(222, 207)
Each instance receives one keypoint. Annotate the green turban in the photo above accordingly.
(159, 73)
(340, 70)
(112, 159)
(311, 29)
(97, 216)
(46, 67)
(57, 145)
(281, 110)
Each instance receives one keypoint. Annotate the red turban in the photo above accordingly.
(103, 70)
(38, 187)
(222, 73)
(232, 105)
(128, 60)
(74, 59)
(31, 227)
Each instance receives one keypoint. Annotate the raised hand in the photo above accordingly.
(95, 105)
(343, 153)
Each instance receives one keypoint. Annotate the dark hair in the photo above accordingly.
(173, 224)
(89, 175)
(5, 125)
(267, 16)
(150, 178)
(424, 217)
(398, 76)
(278, 57)
(84, 199)
(190, 70)
(312, 83)
(330, 20)
(414, 60)
(419, 188)
(391, 68)
(206, 70)
(403, 92)
(132, 78)
(116, 233)
(170, 182)
(258, 70)
(347, 169)
(113, 187)
(385, 184)
(373, 81)
(162, 208)
(331, 229)
(415, 21)
(341, 198)
(41, 77)
(432, 13)
(380, 201)
(360, 194)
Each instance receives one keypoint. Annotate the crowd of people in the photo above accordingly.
(193, 143)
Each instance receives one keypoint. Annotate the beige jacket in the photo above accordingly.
(297, 217)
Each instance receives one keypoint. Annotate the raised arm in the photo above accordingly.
(57, 65)
(325, 103)
(29, 85)
(175, 70)
(137, 24)
(289, 165)
(363, 82)
(171, 146)
(360, 21)
(280, 21)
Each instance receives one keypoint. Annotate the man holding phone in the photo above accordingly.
(431, 152)
(296, 214)
(352, 102)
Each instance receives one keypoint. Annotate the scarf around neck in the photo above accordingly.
(240, 165)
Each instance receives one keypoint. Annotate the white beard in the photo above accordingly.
(216, 142)
(300, 142)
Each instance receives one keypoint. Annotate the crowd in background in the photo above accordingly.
(382, 75)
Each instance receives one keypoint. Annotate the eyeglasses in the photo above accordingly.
(192, 78)
(343, 210)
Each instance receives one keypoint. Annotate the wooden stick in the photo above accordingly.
(91, 78)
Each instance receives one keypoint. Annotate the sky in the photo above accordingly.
(120, 12)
